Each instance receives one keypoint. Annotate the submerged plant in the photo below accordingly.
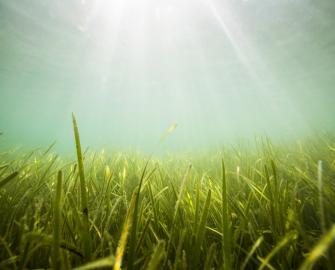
(271, 207)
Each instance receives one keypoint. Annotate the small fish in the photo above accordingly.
(168, 131)
(1, 133)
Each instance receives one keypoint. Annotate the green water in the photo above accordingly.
(221, 70)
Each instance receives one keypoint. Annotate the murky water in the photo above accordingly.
(129, 69)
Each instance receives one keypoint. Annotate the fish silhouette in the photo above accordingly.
(168, 131)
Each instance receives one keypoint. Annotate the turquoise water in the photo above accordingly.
(220, 70)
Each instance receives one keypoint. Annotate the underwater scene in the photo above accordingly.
(167, 134)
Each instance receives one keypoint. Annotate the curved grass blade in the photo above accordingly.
(176, 208)
(319, 250)
(226, 223)
(83, 192)
(200, 233)
(321, 203)
(211, 253)
(252, 251)
(8, 179)
(285, 241)
(101, 263)
(56, 258)
(133, 235)
(12, 258)
(49, 148)
(157, 256)
(179, 250)
(125, 231)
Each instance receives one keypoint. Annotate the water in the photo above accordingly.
(221, 70)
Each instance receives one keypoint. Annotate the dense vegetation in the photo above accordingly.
(263, 207)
